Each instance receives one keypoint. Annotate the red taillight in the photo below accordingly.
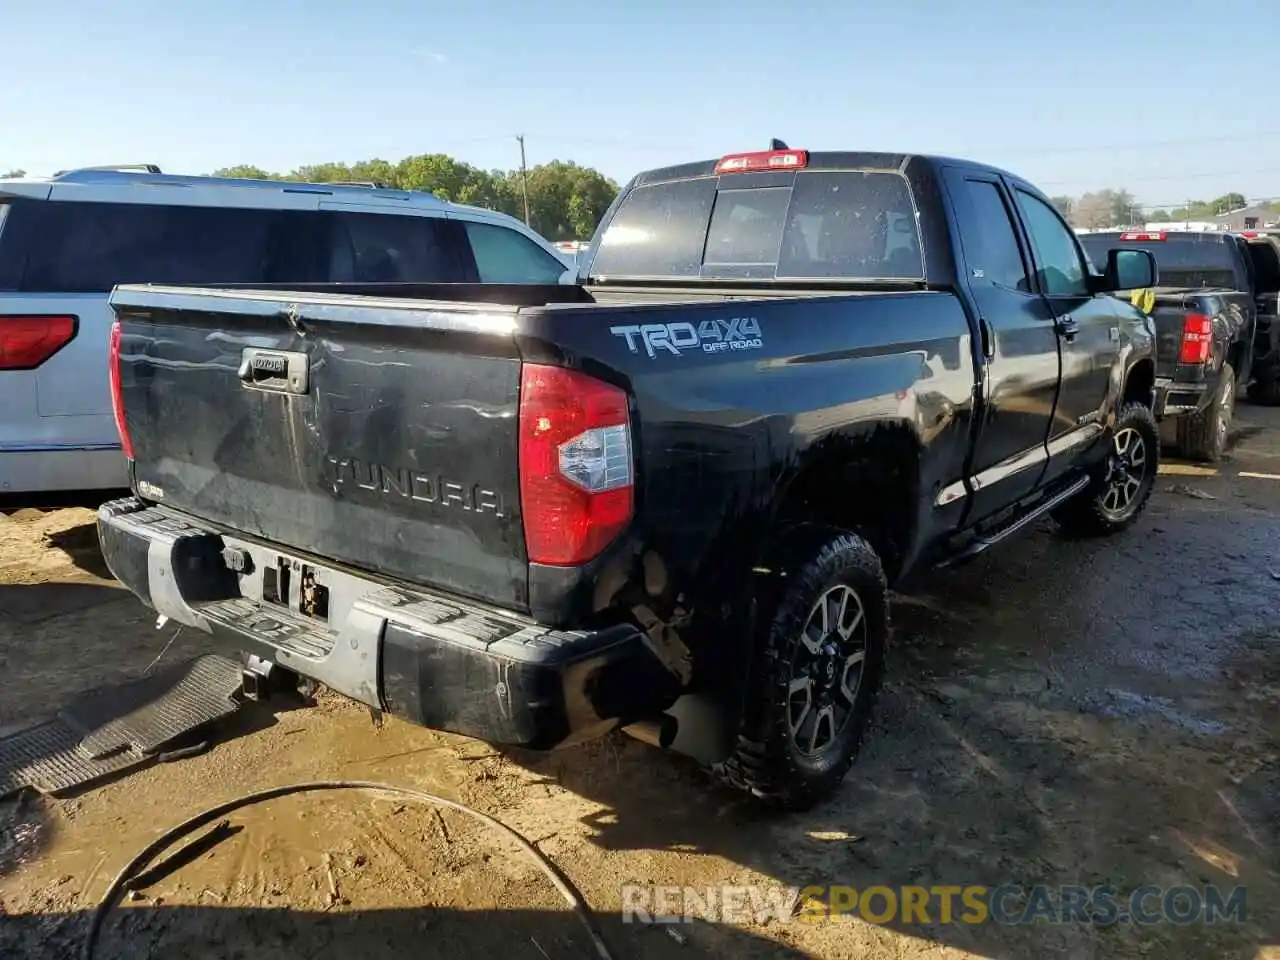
(1197, 337)
(763, 160)
(576, 483)
(117, 395)
(26, 341)
(1250, 234)
(1143, 236)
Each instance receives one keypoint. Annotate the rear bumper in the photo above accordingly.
(35, 468)
(1177, 399)
(430, 658)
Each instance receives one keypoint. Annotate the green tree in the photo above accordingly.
(13, 175)
(1124, 208)
(566, 200)
(1228, 202)
(321, 173)
(244, 171)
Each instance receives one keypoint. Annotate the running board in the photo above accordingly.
(990, 540)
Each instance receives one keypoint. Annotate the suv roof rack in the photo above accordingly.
(372, 184)
(112, 168)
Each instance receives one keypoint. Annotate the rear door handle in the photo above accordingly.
(988, 338)
(1067, 327)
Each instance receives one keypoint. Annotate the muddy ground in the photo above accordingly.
(1058, 712)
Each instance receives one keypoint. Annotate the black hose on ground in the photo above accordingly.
(567, 890)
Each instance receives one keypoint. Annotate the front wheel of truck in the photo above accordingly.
(816, 669)
(1123, 484)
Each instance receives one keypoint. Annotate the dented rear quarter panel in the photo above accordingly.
(720, 433)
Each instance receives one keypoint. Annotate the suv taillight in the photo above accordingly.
(117, 395)
(576, 483)
(28, 341)
(1197, 338)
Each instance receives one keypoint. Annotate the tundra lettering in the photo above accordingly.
(412, 485)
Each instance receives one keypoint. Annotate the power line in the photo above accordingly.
(1173, 176)
(1145, 144)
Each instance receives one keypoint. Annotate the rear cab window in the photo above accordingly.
(808, 225)
(1265, 255)
(1187, 260)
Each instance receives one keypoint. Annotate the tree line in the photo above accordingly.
(565, 200)
(1119, 208)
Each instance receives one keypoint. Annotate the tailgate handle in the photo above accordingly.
(276, 371)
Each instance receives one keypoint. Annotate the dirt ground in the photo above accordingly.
(1059, 712)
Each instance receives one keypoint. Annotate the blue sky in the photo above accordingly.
(1155, 96)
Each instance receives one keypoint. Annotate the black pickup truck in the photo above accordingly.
(1264, 251)
(1205, 314)
(670, 498)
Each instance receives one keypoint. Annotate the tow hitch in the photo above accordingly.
(261, 679)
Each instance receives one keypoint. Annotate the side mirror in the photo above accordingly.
(1129, 270)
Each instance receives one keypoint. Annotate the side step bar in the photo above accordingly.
(1021, 523)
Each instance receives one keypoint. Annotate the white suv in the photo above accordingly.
(67, 240)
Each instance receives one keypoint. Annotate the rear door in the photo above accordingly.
(1021, 344)
(1088, 329)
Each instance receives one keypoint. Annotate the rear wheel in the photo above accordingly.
(816, 668)
(1203, 436)
(1122, 488)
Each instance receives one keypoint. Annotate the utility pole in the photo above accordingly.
(524, 178)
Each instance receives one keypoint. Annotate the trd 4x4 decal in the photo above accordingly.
(712, 336)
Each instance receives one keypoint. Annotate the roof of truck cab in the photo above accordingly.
(827, 160)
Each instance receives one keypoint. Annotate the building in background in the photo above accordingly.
(1247, 218)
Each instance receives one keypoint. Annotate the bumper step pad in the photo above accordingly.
(110, 730)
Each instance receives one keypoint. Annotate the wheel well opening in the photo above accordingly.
(868, 485)
(1141, 384)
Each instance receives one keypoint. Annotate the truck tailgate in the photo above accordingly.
(1169, 313)
(372, 432)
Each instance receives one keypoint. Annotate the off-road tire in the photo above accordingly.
(809, 562)
(1203, 436)
(1086, 514)
(1265, 393)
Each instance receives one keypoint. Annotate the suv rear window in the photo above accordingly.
(1188, 261)
(822, 225)
(77, 247)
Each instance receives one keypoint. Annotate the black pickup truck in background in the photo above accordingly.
(1204, 313)
(1264, 252)
(670, 499)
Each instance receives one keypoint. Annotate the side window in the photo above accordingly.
(990, 243)
(1062, 271)
(388, 248)
(504, 256)
(90, 247)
